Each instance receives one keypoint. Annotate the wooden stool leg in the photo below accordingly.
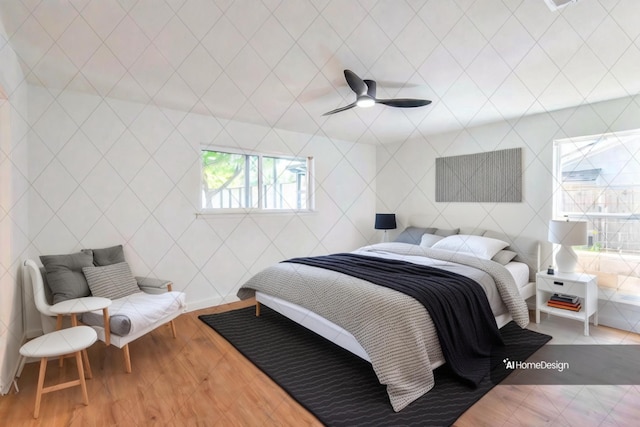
(127, 359)
(87, 366)
(107, 326)
(43, 371)
(173, 326)
(58, 327)
(83, 383)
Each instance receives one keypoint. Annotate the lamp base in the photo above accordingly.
(566, 259)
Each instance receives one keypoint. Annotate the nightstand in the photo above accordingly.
(582, 285)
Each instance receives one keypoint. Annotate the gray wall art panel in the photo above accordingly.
(495, 176)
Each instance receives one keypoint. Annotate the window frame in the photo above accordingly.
(260, 209)
(630, 256)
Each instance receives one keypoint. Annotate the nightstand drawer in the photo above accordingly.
(561, 286)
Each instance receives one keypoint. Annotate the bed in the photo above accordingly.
(388, 328)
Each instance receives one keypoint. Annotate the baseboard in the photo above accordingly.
(204, 303)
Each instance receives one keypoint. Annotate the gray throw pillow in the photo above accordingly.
(47, 289)
(111, 281)
(413, 235)
(504, 257)
(64, 275)
(107, 256)
(445, 233)
(119, 324)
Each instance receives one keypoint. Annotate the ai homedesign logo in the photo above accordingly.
(541, 365)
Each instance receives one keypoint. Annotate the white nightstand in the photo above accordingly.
(581, 285)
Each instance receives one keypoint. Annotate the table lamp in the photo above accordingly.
(385, 222)
(567, 234)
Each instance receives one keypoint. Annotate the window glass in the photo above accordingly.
(252, 181)
(598, 180)
(284, 183)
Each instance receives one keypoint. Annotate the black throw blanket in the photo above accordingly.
(457, 304)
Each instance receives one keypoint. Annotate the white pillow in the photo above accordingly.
(428, 240)
(481, 247)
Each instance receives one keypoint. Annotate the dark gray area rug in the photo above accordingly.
(341, 389)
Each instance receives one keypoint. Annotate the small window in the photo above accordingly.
(255, 182)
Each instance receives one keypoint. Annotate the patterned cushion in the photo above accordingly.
(111, 281)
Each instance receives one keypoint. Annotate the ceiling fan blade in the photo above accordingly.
(404, 102)
(355, 83)
(337, 110)
(371, 88)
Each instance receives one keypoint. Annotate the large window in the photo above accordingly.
(598, 180)
(255, 182)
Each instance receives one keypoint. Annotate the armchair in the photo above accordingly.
(130, 316)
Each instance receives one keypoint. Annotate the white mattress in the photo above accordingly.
(520, 272)
(344, 339)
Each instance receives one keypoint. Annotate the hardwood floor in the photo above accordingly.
(200, 379)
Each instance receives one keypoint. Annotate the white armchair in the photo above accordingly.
(130, 317)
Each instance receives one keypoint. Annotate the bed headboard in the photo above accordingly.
(527, 248)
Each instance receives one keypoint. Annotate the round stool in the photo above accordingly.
(66, 341)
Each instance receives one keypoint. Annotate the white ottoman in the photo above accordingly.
(58, 343)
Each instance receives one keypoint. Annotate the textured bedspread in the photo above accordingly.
(458, 306)
(393, 328)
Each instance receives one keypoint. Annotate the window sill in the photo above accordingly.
(245, 212)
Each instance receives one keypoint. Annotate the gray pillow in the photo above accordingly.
(445, 233)
(504, 257)
(413, 235)
(64, 275)
(107, 256)
(47, 290)
(111, 281)
(471, 231)
(119, 324)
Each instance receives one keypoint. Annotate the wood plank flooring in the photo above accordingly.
(198, 379)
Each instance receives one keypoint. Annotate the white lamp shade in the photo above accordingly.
(568, 233)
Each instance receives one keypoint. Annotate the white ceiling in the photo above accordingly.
(279, 62)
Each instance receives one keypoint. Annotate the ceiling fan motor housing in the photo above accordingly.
(558, 4)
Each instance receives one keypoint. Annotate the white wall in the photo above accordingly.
(14, 226)
(105, 172)
(406, 174)
(406, 171)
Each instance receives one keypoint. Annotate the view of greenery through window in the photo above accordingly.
(251, 181)
(599, 181)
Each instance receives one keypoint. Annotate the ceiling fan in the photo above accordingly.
(365, 91)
